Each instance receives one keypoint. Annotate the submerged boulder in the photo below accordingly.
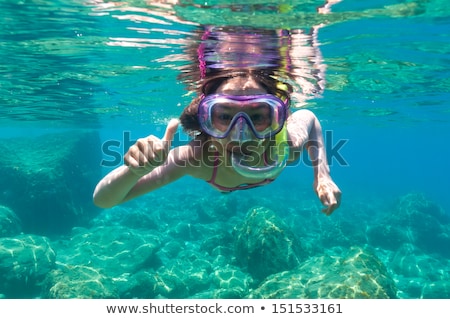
(104, 262)
(353, 274)
(112, 249)
(420, 275)
(265, 245)
(48, 180)
(80, 282)
(185, 275)
(25, 260)
(416, 221)
(10, 224)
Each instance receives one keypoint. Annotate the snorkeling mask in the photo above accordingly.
(264, 114)
(237, 117)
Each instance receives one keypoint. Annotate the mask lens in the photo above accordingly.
(260, 115)
(222, 115)
(265, 114)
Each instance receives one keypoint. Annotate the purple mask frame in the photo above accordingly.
(207, 102)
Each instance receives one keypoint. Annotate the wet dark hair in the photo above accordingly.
(266, 79)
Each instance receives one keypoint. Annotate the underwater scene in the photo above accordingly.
(83, 80)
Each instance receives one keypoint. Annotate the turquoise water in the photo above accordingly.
(79, 75)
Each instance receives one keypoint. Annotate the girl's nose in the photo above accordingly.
(241, 131)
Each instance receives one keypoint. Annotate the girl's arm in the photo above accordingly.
(122, 184)
(305, 131)
(148, 166)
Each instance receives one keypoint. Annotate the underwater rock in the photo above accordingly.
(417, 202)
(387, 236)
(10, 224)
(336, 231)
(427, 223)
(48, 180)
(219, 210)
(356, 273)
(220, 239)
(422, 288)
(81, 282)
(409, 261)
(436, 290)
(186, 275)
(170, 250)
(136, 218)
(220, 248)
(415, 220)
(228, 282)
(114, 250)
(25, 260)
(231, 282)
(141, 285)
(419, 274)
(264, 244)
(185, 231)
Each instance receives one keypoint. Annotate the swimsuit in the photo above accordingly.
(225, 189)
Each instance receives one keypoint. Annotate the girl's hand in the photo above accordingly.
(328, 193)
(150, 152)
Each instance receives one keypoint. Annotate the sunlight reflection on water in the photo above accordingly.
(91, 64)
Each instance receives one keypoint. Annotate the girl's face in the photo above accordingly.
(241, 86)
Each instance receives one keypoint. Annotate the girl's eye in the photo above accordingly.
(224, 118)
(259, 119)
